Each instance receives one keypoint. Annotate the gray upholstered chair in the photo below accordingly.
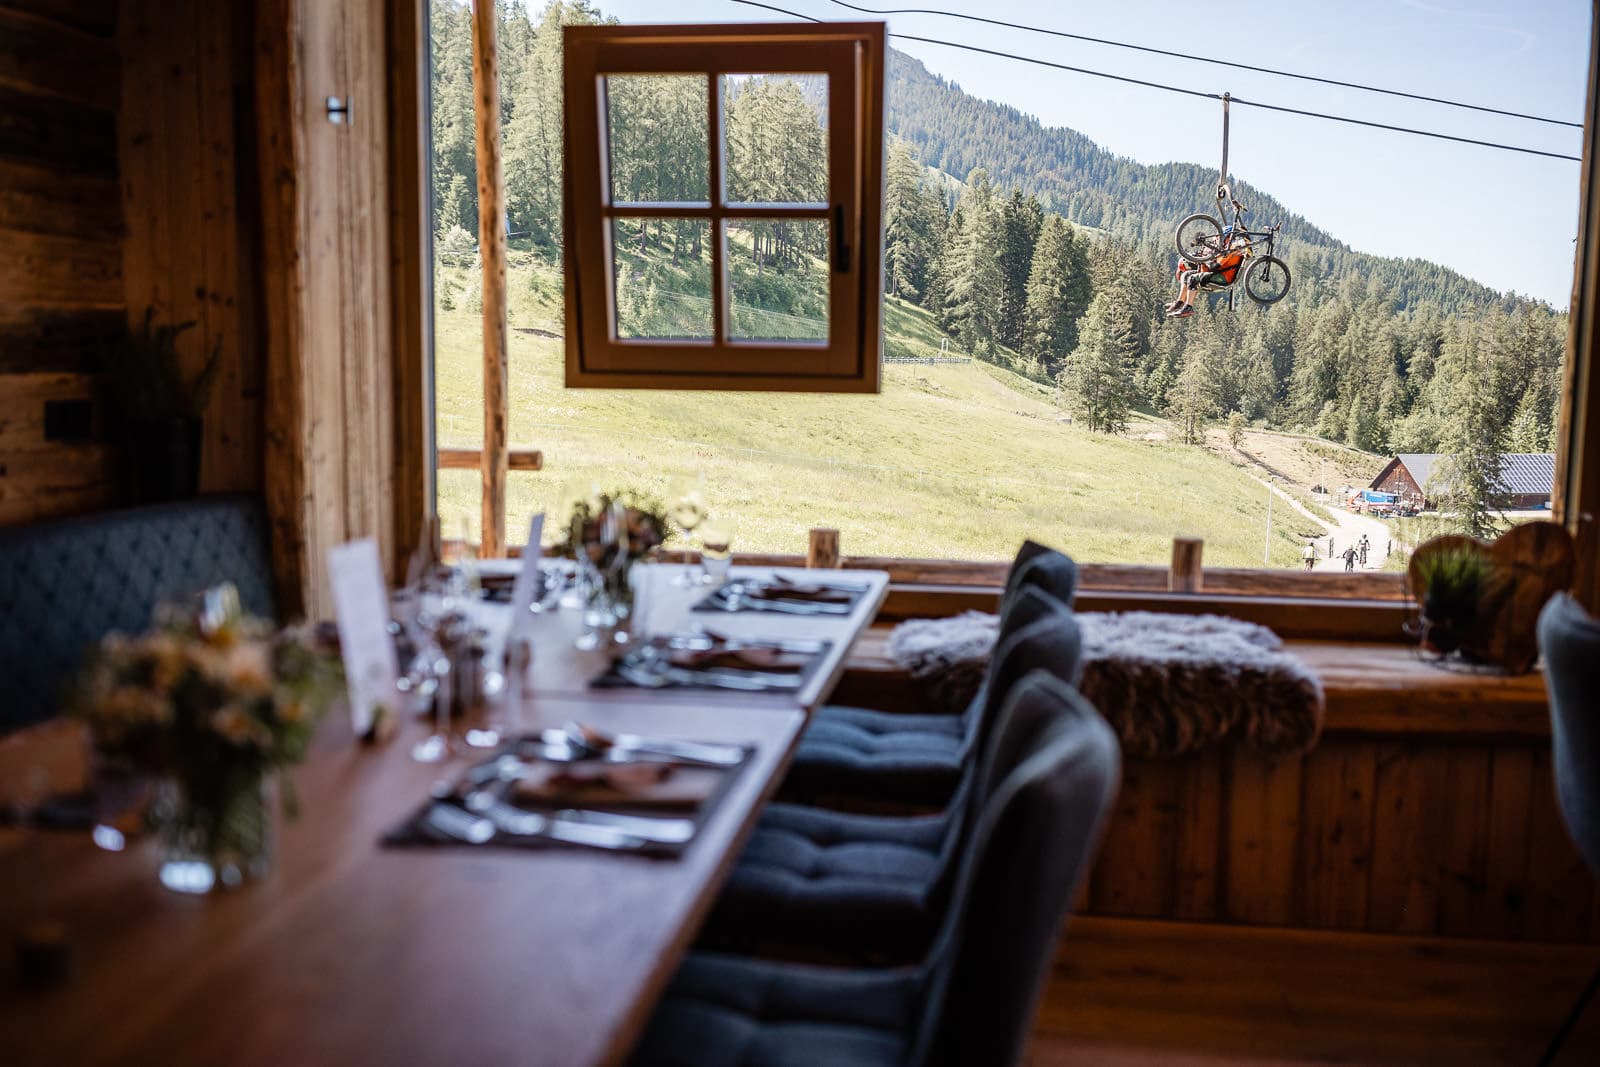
(972, 999)
(1041, 568)
(873, 886)
(913, 758)
(1569, 638)
(67, 583)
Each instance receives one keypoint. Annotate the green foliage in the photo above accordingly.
(144, 379)
(1453, 582)
(1236, 427)
(1097, 372)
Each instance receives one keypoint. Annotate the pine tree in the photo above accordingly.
(1058, 294)
(1096, 377)
(1192, 401)
(972, 268)
(1527, 432)
(1020, 222)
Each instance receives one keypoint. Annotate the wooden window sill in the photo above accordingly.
(1371, 688)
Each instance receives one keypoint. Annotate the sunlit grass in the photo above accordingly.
(959, 461)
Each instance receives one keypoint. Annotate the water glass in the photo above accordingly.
(716, 548)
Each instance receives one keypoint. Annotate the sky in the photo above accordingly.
(1506, 219)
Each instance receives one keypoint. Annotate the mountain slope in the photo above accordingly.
(956, 132)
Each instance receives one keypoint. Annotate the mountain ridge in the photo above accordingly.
(956, 132)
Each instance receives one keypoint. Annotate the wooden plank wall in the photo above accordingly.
(127, 181)
(61, 235)
(186, 136)
(330, 458)
(1393, 834)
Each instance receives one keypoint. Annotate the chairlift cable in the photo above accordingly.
(1192, 92)
(1208, 59)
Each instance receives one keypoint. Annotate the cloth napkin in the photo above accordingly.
(740, 657)
(634, 785)
(813, 594)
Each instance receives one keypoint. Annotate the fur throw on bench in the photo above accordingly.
(1168, 684)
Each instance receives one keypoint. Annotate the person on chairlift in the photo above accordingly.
(1215, 273)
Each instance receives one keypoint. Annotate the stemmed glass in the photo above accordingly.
(440, 593)
(716, 547)
(603, 542)
(688, 510)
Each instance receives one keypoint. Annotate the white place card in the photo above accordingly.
(361, 604)
(528, 584)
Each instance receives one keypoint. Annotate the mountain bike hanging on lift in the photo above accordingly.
(1201, 239)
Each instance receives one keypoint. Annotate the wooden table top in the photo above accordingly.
(349, 953)
(562, 670)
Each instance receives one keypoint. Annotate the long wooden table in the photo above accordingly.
(665, 607)
(350, 953)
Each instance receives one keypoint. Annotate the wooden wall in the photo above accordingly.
(1457, 836)
(127, 181)
(61, 291)
(186, 137)
(332, 403)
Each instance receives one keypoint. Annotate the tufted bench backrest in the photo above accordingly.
(67, 583)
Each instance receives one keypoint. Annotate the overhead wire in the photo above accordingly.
(1189, 92)
(1206, 59)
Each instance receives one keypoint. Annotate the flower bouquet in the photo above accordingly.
(607, 534)
(213, 704)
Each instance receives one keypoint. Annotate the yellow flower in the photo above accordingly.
(165, 653)
(233, 725)
(291, 709)
(133, 705)
(247, 669)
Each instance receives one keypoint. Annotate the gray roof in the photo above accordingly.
(1532, 473)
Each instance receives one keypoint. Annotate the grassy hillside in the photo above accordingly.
(959, 461)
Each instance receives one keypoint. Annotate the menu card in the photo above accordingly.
(361, 605)
(529, 584)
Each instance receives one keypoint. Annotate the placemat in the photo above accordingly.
(600, 795)
(824, 599)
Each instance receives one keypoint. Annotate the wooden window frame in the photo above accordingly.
(852, 56)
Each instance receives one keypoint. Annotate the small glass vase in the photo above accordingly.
(216, 838)
(608, 607)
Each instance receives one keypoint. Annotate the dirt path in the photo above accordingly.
(1350, 528)
(1347, 528)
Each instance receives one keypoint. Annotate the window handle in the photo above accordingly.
(841, 249)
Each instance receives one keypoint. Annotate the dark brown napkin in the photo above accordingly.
(645, 784)
(813, 594)
(739, 657)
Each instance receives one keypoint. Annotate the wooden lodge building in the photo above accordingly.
(1526, 479)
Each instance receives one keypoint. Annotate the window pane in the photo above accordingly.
(774, 136)
(778, 279)
(656, 130)
(663, 278)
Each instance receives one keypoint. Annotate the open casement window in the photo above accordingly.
(688, 223)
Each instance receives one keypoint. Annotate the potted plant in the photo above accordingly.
(156, 410)
(1452, 581)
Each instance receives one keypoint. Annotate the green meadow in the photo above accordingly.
(950, 460)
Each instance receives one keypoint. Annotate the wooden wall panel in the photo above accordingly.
(330, 388)
(187, 113)
(1262, 839)
(61, 228)
(1431, 835)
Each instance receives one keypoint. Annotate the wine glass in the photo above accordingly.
(688, 510)
(716, 547)
(442, 595)
(602, 542)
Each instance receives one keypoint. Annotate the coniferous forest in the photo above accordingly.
(1030, 246)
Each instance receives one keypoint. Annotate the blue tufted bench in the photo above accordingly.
(65, 584)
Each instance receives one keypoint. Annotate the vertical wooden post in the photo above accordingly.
(492, 262)
(1186, 575)
(824, 549)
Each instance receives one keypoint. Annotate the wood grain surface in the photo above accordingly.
(351, 953)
